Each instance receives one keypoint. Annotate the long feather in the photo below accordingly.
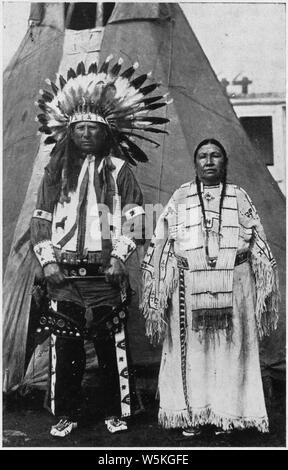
(93, 68)
(130, 71)
(42, 118)
(148, 89)
(142, 137)
(133, 102)
(71, 74)
(45, 129)
(47, 96)
(42, 107)
(154, 106)
(133, 105)
(80, 69)
(138, 82)
(104, 67)
(126, 113)
(156, 131)
(154, 120)
(62, 81)
(129, 124)
(127, 155)
(137, 153)
(113, 112)
(153, 99)
(55, 88)
(116, 68)
(139, 123)
(40, 101)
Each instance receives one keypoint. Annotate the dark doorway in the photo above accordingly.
(259, 130)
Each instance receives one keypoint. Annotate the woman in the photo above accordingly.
(210, 292)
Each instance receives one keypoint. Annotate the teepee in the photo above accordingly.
(159, 37)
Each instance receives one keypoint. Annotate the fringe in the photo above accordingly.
(215, 319)
(155, 299)
(267, 295)
(174, 419)
(183, 418)
(209, 323)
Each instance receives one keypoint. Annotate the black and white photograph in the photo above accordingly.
(143, 228)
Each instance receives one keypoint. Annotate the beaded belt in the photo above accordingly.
(71, 257)
(240, 258)
(82, 270)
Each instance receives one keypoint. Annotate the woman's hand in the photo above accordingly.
(53, 274)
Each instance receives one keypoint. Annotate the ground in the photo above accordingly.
(26, 424)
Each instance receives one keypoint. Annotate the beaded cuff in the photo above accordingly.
(44, 251)
(123, 248)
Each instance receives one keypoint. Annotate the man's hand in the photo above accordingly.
(116, 273)
(53, 274)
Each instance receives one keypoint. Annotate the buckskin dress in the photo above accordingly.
(210, 298)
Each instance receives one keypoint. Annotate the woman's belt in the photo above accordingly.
(82, 270)
(242, 257)
(71, 257)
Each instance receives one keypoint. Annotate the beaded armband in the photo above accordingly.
(39, 214)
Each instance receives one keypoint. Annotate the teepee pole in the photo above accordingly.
(69, 15)
(99, 15)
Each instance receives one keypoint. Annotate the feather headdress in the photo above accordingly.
(107, 96)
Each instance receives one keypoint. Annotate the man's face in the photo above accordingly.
(209, 164)
(89, 136)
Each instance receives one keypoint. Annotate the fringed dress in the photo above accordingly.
(210, 295)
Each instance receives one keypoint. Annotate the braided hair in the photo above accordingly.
(223, 180)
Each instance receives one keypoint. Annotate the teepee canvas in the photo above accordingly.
(159, 37)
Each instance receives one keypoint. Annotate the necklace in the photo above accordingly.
(211, 238)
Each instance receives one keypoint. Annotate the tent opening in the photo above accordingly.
(83, 15)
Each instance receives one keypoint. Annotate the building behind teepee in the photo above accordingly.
(159, 37)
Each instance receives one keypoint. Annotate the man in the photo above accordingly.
(86, 224)
(210, 291)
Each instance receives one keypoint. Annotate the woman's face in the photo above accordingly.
(210, 164)
(89, 137)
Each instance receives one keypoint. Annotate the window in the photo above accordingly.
(108, 9)
(82, 15)
(259, 130)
